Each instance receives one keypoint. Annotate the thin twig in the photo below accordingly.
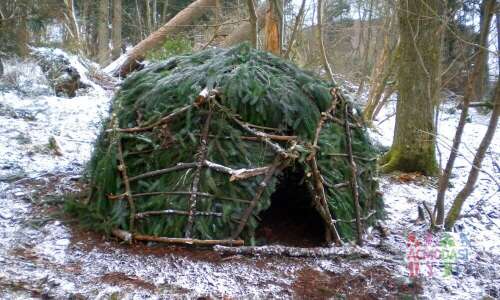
(179, 166)
(162, 121)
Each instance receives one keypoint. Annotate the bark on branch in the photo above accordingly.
(129, 237)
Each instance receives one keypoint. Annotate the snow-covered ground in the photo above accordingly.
(477, 274)
(44, 255)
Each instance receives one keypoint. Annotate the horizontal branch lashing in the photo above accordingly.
(117, 197)
(176, 212)
(274, 137)
(237, 174)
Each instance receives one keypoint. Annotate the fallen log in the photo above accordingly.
(129, 237)
(278, 250)
(123, 66)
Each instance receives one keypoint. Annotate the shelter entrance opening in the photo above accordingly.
(291, 219)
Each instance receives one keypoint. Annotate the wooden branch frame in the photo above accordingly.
(128, 192)
(202, 155)
(318, 187)
(354, 180)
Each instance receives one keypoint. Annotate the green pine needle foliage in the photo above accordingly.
(256, 87)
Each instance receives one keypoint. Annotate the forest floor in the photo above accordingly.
(44, 254)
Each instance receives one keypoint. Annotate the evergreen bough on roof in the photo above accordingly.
(195, 146)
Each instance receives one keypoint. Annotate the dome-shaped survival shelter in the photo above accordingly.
(197, 145)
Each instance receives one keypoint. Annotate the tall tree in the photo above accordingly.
(103, 32)
(116, 33)
(418, 74)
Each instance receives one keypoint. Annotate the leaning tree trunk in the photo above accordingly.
(381, 71)
(324, 56)
(456, 207)
(103, 32)
(185, 17)
(299, 20)
(418, 74)
(116, 35)
(475, 77)
(72, 22)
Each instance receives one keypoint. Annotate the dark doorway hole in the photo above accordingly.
(291, 219)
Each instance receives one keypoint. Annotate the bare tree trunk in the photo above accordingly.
(139, 20)
(116, 34)
(185, 17)
(272, 27)
(497, 17)
(244, 31)
(481, 83)
(155, 14)
(324, 57)
(298, 23)
(88, 28)
(164, 11)
(22, 39)
(389, 90)
(365, 67)
(253, 22)
(71, 21)
(381, 71)
(456, 207)
(148, 17)
(489, 6)
(103, 32)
